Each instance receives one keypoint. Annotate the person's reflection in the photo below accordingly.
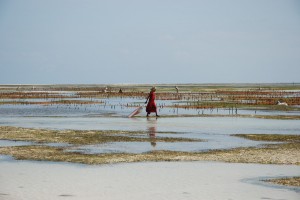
(152, 131)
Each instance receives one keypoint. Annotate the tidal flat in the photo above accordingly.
(241, 100)
(287, 152)
(88, 124)
(80, 137)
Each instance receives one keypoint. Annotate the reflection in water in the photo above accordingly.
(152, 131)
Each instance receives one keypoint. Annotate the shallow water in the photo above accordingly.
(10, 143)
(168, 180)
(111, 115)
(143, 147)
(180, 180)
(215, 131)
(115, 107)
(205, 125)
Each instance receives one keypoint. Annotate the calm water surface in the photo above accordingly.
(215, 131)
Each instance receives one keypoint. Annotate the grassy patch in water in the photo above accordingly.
(284, 117)
(289, 181)
(230, 105)
(286, 153)
(79, 137)
(287, 117)
(270, 137)
(46, 103)
(273, 154)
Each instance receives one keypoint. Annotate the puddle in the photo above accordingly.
(211, 142)
(56, 144)
(6, 158)
(10, 143)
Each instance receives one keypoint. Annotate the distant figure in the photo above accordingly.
(177, 90)
(120, 91)
(105, 90)
(282, 103)
(151, 106)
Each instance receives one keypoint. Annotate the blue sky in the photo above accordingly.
(157, 41)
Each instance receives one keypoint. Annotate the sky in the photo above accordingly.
(143, 41)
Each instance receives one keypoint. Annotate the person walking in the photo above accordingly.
(151, 106)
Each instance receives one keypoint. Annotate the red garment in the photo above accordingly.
(151, 106)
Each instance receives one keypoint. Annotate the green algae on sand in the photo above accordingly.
(288, 181)
(270, 137)
(287, 152)
(83, 137)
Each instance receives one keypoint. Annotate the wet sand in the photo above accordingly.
(135, 181)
